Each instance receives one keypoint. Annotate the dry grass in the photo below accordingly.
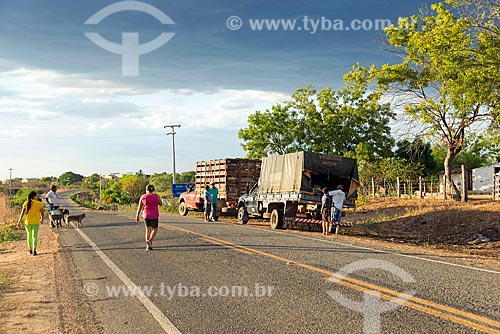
(7, 221)
(475, 224)
(6, 212)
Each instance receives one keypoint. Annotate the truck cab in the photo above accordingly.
(249, 205)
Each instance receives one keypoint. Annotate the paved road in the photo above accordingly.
(286, 277)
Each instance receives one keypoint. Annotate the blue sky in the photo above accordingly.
(65, 105)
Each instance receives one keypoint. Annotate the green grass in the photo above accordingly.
(8, 233)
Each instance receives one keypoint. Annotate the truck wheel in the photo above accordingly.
(242, 215)
(276, 219)
(183, 211)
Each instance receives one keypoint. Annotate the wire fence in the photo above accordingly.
(428, 187)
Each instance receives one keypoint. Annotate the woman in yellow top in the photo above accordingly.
(33, 210)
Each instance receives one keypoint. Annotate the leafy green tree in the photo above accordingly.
(69, 178)
(187, 177)
(417, 152)
(270, 132)
(132, 187)
(48, 179)
(349, 122)
(162, 182)
(438, 79)
(92, 183)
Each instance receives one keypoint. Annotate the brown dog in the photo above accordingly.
(78, 219)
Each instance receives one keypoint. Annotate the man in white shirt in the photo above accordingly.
(338, 198)
(52, 199)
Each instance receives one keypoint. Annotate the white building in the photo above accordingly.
(456, 176)
(483, 178)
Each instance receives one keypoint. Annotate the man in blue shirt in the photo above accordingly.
(214, 192)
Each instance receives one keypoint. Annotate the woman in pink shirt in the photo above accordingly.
(148, 204)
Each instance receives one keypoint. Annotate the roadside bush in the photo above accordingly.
(22, 195)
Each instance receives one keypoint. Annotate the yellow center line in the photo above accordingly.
(413, 302)
(225, 246)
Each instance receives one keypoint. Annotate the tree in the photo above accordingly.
(438, 79)
(417, 152)
(270, 132)
(162, 182)
(92, 183)
(348, 122)
(48, 179)
(69, 178)
(132, 187)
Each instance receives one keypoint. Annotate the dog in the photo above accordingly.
(56, 219)
(77, 218)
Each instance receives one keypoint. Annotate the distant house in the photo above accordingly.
(456, 175)
(483, 178)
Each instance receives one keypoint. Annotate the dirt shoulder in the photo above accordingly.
(28, 303)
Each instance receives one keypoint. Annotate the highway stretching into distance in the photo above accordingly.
(226, 278)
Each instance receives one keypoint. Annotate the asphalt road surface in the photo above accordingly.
(225, 278)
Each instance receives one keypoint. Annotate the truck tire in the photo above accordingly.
(243, 215)
(183, 211)
(276, 219)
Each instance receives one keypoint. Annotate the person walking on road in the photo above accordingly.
(149, 206)
(33, 216)
(52, 199)
(214, 193)
(326, 205)
(338, 198)
(207, 198)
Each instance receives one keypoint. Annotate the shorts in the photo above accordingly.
(208, 208)
(325, 215)
(151, 222)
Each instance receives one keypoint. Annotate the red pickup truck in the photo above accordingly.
(232, 177)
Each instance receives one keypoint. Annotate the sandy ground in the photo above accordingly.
(28, 303)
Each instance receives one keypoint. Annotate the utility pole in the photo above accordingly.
(100, 190)
(173, 145)
(10, 184)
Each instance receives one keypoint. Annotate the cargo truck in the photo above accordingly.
(232, 177)
(289, 189)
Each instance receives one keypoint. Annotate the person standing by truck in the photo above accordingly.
(326, 205)
(338, 198)
(214, 193)
(207, 199)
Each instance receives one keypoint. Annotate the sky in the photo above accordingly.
(66, 105)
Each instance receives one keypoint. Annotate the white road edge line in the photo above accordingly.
(164, 322)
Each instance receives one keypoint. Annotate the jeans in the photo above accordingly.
(336, 215)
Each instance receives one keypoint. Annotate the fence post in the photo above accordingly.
(398, 187)
(420, 187)
(432, 184)
(373, 187)
(464, 185)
